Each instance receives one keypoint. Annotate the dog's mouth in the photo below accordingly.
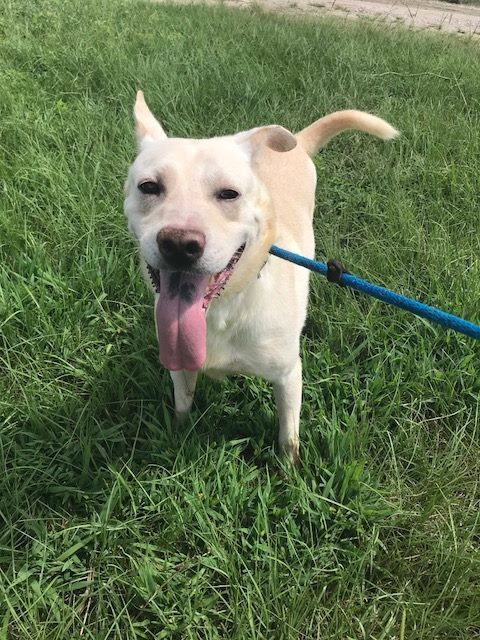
(180, 312)
(216, 283)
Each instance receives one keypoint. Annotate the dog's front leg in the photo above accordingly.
(288, 396)
(183, 389)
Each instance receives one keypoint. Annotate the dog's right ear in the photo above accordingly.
(147, 126)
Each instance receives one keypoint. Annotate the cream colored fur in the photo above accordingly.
(254, 326)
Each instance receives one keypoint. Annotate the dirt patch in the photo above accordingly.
(421, 14)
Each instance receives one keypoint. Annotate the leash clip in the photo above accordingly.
(335, 271)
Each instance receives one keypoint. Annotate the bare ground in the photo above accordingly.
(420, 14)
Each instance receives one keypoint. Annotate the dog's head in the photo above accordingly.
(193, 203)
(199, 212)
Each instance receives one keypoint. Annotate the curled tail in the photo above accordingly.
(316, 135)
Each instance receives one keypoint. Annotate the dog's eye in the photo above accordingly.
(227, 194)
(149, 187)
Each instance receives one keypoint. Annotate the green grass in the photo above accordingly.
(114, 523)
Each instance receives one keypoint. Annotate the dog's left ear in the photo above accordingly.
(273, 136)
(146, 125)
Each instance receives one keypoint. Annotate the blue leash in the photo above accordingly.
(431, 313)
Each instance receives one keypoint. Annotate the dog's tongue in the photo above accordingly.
(180, 320)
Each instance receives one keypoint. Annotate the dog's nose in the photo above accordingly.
(181, 248)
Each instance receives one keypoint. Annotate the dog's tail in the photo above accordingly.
(316, 135)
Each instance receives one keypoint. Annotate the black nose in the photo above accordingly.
(180, 248)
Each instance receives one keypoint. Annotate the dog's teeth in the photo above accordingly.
(154, 278)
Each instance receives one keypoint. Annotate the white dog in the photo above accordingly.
(205, 213)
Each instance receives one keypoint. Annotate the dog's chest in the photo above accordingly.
(231, 336)
(247, 333)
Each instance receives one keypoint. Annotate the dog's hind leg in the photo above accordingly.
(288, 396)
(183, 389)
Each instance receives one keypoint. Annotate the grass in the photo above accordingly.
(114, 523)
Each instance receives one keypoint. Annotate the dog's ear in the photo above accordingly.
(273, 136)
(146, 125)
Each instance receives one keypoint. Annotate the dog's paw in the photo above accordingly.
(180, 417)
(290, 449)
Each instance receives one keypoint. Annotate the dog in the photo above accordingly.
(205, 213)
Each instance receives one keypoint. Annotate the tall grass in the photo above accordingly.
(115, 523)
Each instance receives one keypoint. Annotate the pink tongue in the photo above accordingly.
(180, 320)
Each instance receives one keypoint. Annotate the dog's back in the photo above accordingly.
(291, 178)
